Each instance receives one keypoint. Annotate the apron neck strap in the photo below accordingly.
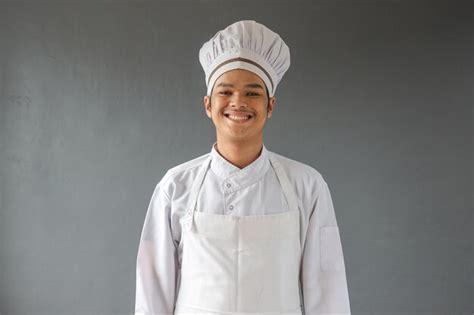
(197, 185)
(285, 183)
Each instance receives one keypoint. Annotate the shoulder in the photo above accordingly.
(181, 176)
(186, 167)
(300, 174)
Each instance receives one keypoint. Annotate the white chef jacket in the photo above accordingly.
(251, 190)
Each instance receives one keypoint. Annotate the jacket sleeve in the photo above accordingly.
(156, 265)
(323, 277)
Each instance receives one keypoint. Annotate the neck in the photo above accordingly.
(239, 154)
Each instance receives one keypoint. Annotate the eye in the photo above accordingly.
(253, 93)
(224, 92)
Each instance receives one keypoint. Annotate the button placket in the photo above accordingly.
(229, 188)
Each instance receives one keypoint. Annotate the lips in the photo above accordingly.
(238, 116)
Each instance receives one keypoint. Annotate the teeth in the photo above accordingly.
(238, 117)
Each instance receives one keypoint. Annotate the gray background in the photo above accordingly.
(99, 99)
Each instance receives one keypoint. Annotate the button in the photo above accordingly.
(228, 185)
(189, 212)
(231, 207)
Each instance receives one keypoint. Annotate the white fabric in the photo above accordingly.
(253, 190)
(240, 264)
(245, 45)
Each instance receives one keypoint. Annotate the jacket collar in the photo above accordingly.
(239, 178)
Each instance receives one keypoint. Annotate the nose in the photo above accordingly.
(238, 100)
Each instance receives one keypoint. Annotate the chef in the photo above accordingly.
(241, 229)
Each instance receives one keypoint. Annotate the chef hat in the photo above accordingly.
(246, 45)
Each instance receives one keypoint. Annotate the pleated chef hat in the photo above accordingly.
(246, 45)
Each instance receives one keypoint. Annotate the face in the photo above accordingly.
(239, 106)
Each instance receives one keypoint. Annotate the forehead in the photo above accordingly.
(238, 77)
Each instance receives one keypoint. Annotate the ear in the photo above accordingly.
(207, 106)
(271, 104)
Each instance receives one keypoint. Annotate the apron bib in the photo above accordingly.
(240, 265)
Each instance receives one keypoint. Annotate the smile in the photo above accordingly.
(238, 118)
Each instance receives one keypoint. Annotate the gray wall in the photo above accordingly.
(99, 99)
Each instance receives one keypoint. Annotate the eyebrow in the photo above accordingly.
(252, 85)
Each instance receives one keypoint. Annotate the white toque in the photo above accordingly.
(246, 45)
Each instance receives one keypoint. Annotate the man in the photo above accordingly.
(241, 230)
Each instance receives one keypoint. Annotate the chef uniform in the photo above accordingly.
(263, 239)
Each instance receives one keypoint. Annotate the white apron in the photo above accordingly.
(240, 265)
